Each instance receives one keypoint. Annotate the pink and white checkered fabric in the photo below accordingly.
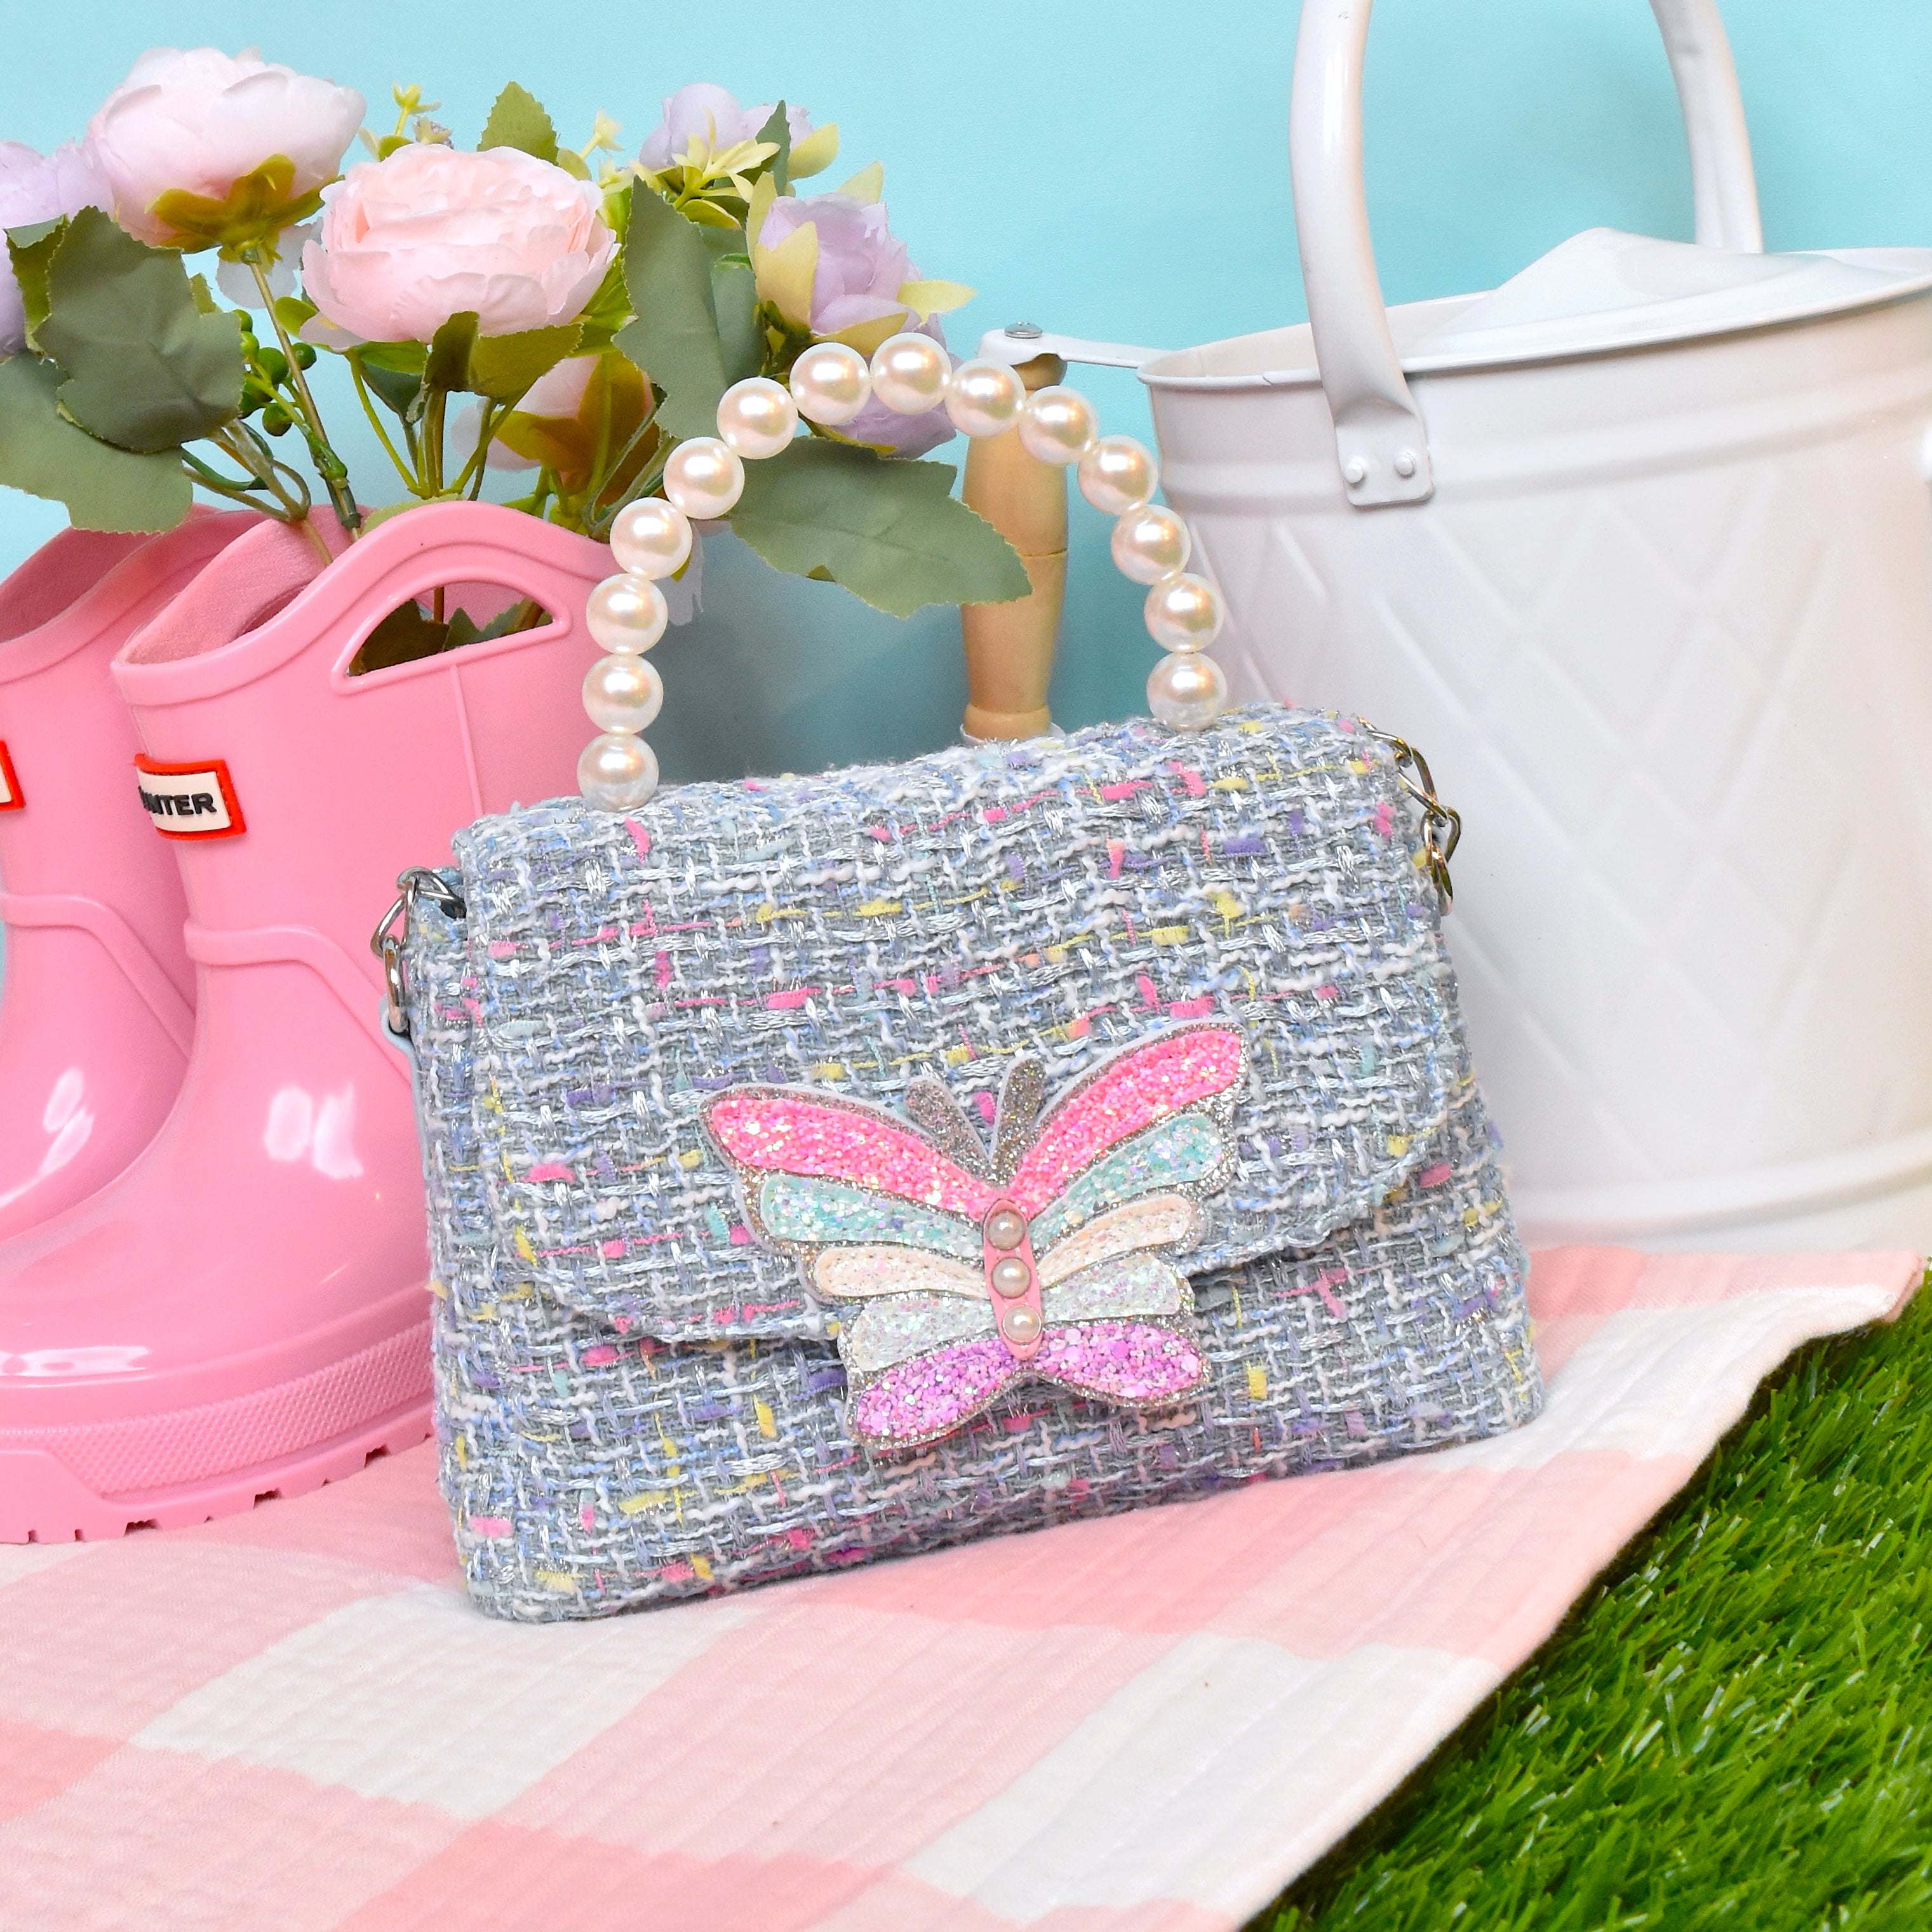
(293, 1719)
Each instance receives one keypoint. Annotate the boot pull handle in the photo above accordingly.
(263, 570)
(443, 543)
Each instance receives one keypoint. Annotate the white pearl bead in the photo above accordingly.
(985, 398)
(1006, 1227)
(910, 373)
(1012, 1277)
(1186, 690)
(627, 613)
(651, 537)
(1019, 1325)
(617, 772)
(1151, 543)
(623, 693)
(1183, 612)
(1057, 425)
(1118, 474)
(830, 383)
(757, 417)
(704, 477)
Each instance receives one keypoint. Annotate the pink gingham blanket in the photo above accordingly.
(292, 1719)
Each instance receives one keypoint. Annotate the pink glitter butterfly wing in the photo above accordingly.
(1132, 1364)
(921, 1351)
(788, 1130)
(933, 1393)
(1192, 1068)
(1120, 1331)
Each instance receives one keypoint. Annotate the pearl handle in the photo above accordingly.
(1028, 430)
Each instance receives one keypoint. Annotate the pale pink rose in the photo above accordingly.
(35, 188)
(408, 242)
(706, 111)
(198, 122)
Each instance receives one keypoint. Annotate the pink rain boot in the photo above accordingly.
(245, 1312)
(97, 1011)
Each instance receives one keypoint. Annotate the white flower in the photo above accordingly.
(194, 124)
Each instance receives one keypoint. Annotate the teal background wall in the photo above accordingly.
(1115, 168)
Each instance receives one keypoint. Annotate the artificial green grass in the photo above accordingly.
(1733, 1729)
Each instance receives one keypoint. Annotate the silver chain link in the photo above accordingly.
(387, 941)
(1412, 772)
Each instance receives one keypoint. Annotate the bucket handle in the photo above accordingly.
(1381, 443)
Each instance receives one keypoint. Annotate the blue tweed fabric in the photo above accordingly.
(637, 1402)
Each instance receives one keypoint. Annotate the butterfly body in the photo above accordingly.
(959, 1272)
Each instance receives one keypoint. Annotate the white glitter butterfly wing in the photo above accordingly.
(1133, 1286)
(896, 1327)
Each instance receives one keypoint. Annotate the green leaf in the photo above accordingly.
(464, 629)
(104, 488)
(502, 366)
(292, 311)
(459, 360)
(447, 365)
(408, 633)
(778, 130)
(203, 296)
(256, 209)
(816, 152)
(518, 120)
(734, 297)
(393, 369)
(890, 531)
(674, 338)
(572, 163)
(30, 249)
(608, 311)
(146, 370)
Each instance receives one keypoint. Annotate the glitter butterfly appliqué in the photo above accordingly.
(960, 1273)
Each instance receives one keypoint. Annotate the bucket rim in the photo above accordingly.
(1913, 266)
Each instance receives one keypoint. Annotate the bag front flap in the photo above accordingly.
(868, 932)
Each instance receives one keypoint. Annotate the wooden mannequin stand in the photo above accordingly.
(1010, 646)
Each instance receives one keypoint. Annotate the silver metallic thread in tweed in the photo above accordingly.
(636, 1403)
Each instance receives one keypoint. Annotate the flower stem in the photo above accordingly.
(238, 440)
(472, 471)
(429, 443)
(403, 469)
(329, 467)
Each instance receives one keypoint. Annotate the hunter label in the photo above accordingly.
(189, 801)
(10, 799)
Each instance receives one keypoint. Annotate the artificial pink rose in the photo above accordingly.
(196, 122)
(702, 108)
(862, 263)
(35, 188)
(408, 242)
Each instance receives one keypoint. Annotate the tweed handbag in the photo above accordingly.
(836, 1168)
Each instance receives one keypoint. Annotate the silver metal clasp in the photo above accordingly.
(391, 934)
(1412, 773)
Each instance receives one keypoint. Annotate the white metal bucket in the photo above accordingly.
(1651, 586)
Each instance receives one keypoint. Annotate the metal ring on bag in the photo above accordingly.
(1413, 775)
(387, 941)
